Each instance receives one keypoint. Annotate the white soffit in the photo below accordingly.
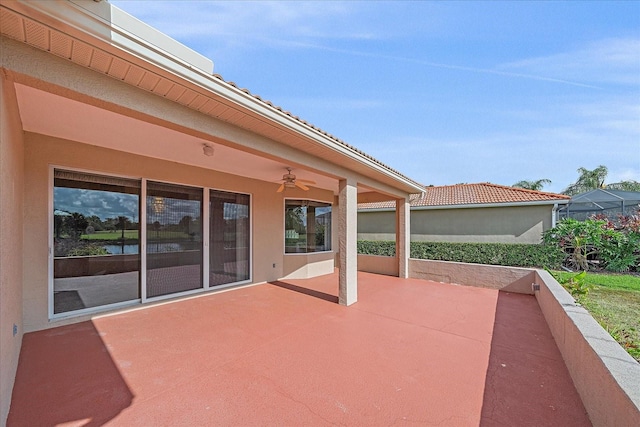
(84, 36)
(49, 114)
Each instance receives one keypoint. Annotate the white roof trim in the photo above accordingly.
(114, 27)
(473, 205)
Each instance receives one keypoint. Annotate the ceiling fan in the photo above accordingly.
(289, 181)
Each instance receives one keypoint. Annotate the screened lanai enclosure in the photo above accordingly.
(611, 203)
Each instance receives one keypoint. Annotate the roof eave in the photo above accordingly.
(475, 205)
(87, 19)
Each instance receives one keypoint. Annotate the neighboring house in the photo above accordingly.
(481, 212)
(114, 132)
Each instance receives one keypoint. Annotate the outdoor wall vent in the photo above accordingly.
(535, 287)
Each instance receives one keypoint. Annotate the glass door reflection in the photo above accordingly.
(174, 239)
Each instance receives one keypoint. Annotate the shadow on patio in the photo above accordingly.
(409, 352)
(527, 381)
(66, 375)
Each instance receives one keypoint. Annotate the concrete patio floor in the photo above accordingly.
(409, 352)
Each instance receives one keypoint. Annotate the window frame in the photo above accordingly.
(208, 231)
(51, 252)
(206, 190)
(203, 212)
(284, 223)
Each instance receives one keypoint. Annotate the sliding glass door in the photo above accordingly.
(229, 241)
(99, 225)
(174, 239)
(95, 241)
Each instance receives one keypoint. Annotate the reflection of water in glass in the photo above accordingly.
(151, 248)
(121, 249)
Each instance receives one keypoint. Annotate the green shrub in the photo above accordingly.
(596, 243)
(576, 284)
(517, 255)
(65, 247)
(85, 249)
(621, 253)
(383, 248)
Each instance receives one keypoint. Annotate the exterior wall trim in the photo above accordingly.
(474, 205)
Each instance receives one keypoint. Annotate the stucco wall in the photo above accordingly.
(42, 151)
(377, 225)
(509, 279)
(11, 265)
(302, 266)
(515, 224)
(605, 375)
(387, 265)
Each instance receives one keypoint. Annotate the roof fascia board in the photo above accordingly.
(478, 205)
(120, 101)
(495, 205)
(88, 20)
(90, 23)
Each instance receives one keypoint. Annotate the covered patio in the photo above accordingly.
(409, 352)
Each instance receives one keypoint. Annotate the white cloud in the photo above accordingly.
(614, 60)
(248, 20)
(551, 144)
(617, 175)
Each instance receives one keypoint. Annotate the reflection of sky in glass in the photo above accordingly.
(235, 211)
(323, 215)
(170, 211)
(103, 204)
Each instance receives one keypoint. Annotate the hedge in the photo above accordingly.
(515, 255)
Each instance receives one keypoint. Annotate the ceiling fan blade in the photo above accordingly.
(300, 185)
(281, 188)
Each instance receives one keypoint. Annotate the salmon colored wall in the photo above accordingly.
(41, 151)
(11, 265)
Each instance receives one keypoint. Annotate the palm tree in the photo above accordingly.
(532, 185)
(625, 186)
(588, 180)
(594, 179)
(122, 223)
(77, 223)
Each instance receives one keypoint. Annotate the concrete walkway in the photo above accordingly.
(410, 352)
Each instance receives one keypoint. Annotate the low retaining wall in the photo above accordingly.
(387, 265)
(510, 279)
(604, 374)
(92, 265)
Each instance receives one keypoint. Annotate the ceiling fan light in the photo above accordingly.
(289, 184)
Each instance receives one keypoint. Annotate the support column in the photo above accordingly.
(403, 236)
(347, 241)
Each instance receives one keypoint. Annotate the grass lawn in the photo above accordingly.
(111, 235)
(614, 301)
(133, 235)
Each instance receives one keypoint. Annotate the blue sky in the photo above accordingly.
(444, 92)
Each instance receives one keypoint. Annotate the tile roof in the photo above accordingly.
(314, 128)
(471, 194)
(196, 94)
